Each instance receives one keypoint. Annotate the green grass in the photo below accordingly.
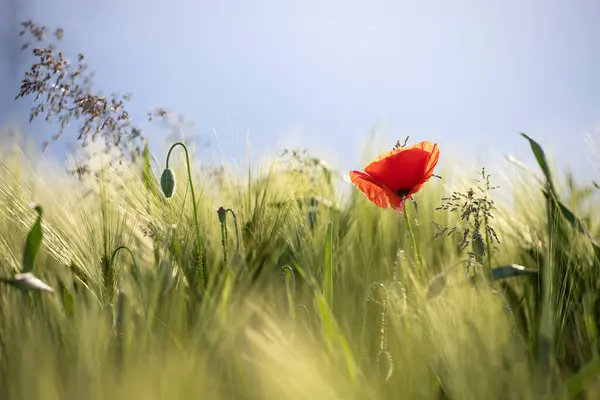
(318, 302)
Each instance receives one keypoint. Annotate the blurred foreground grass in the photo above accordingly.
(323, 298)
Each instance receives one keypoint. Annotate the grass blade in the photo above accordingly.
(334, 336)
(577, 383)
(576, 223)
(547, 323)
(508, 271)
(540, 156)
(328, 272)
(33, 243)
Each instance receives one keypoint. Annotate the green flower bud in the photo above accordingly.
(167, 183)
(222, 213)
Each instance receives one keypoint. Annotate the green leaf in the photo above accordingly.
(327, 320)
(289, 281)
(550, 194)
(508, 271)
(577, 383)
(68, 301)
(33, 243)
(27, 282)
(547, 322)
(148, 181)
(575, 222)
(305, 275)
(540, 156)
(328, 270)
(335, 337)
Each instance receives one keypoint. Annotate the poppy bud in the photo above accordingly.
(222, 213)
(167, 183)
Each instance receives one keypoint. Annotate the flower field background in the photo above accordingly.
(322, 297)
(162, 279)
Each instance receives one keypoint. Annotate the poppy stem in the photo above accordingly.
(412, 237)
(194, 208)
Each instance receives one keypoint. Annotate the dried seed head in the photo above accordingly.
(167, 183)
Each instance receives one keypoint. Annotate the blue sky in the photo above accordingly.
(469, 75)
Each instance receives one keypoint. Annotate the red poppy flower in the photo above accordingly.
(396, 175)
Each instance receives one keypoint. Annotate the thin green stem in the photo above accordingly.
(235, 224)
(412, 239)
(114, 254)
(136, 269)
(150, 187)
(222, 214)
(401, 263)
(370, 296)
(198, 238)
(224, 241)
(488, 246)
(289, 282)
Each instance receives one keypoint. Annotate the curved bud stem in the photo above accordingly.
(136, 269)
(198, 238)
(222, 214)
(370, 296)
(237, 236)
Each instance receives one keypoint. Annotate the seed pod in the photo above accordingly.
(167, 183)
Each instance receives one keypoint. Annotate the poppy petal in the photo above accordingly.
(430, 166)
(432, 162)
(405, 167)
(372, 190)
(422, 147)
(396, 175)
